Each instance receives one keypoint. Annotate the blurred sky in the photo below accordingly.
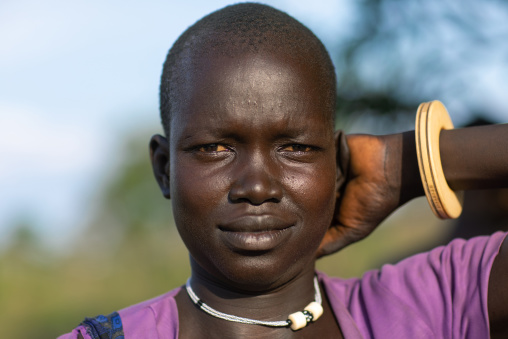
(75, 76)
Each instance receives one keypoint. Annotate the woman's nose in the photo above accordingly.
(256, 181)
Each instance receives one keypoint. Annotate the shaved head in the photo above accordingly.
(238, 30)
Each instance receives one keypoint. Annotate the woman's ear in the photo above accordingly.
(342, 160)
(159, 155)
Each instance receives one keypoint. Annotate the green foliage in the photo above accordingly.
(131, 198)
(45, 300)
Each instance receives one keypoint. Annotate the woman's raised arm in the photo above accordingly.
(383, 174)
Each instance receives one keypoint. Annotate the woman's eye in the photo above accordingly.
(297, 148)
(211, 148)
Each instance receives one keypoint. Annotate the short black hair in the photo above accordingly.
(240, 28)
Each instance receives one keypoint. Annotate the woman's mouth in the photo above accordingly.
(255, 233)
(255, 241)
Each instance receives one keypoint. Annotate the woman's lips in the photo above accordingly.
(255, 233)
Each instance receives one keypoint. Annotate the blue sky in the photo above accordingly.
(74, 76)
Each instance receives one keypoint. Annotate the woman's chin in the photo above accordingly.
(255, 277)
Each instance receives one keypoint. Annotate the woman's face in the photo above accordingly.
(252, 168)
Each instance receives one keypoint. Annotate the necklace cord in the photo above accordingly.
(309, 314)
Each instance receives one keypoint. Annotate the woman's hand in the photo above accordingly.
(372, 190)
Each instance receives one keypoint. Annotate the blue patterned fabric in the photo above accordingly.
(104, 327)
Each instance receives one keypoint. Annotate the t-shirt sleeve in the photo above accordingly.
(153, 318)
(445, 289)
(109, 326)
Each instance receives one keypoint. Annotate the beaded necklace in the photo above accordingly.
(296, 320)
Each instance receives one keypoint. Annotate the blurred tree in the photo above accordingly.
(129, 204)
(401, 53)
(25, 243)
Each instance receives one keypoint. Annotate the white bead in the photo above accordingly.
(316, 310)
(298, 320)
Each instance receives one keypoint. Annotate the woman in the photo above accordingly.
(261, 186)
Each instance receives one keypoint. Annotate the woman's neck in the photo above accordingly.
(274, 302)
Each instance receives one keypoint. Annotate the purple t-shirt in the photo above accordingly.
(438, 294)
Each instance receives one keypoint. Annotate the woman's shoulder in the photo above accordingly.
(157, 305)
(427, 293)
(135, 321)
(146, 319)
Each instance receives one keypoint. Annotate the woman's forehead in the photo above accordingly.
(244, 77)
(251, 89)
(261, 82)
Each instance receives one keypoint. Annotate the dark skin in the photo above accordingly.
(252, 171)
(384, 175)
(252, 158)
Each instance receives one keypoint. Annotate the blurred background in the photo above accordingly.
(84, 229)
